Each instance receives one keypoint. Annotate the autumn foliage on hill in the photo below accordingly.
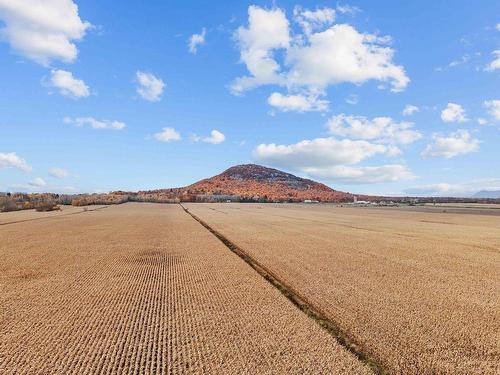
(255, 182)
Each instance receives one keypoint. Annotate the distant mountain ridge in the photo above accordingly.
(255, 182)
(494, 194)
(252, 180)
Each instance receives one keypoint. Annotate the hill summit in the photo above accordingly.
(252, 181)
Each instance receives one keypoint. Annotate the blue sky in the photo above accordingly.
(145, 95)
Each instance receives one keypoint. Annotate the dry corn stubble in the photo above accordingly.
(418, 290)
(143, 288)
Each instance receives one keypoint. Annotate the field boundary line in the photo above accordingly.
(301, 302)
(51, 217)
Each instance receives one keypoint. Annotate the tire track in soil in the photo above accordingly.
(299, 301)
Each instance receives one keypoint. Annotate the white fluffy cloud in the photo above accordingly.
(332, 159)
(37, 182)
(457, 143)
(58, 172)
(43, 30)
(362, 175)
(267, 30)
(95, 124)
(214, 138)
(453, 113)
(167, 135)
(382, 129)
(410, 109)
(297, 103)
(197, 40)
(493, 107)
(11, 160)
(315, 59)
(67, 84)
(342, 54)
(319, 152)
(150, 87)
(495, 64)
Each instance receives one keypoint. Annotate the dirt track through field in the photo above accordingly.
(144, 289)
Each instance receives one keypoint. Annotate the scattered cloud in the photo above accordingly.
(497, 27)
(58, 172)
(310, 20)
(318, 152)
(297, 103)
(495, 64)
(482, 121)
(463, 189)
(315, 59)
(11, 160)
(150, 87)
(37, 182)
(95, 124)
(348, 9)
(352, 99)
(381, 129)
(453, 113)
(363, 175)
(410, 109)
(461, 61)
(215, 138)
(67, 84)
(332, 159)
(493, 108)
(167, 135)
(457, 143)
(43, 31)
(197, 40)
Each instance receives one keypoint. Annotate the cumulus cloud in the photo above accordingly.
(297, 103)
(37, 182)
(332, 159)
(214, 138)
(43, 30)
(58, 172)
(150, 87)
(495, 64)
(493, 108)
(453, 113)
(457, 143)
(267, 30)
(363, 175)
(197, 40)
(410, 109)
(167, 135)
(67, 84)
(319, 152)
(382, 129)
(95, 124)
(323, 55)
(12, 160)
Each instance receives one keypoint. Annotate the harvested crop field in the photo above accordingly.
(144, 288)
(419, 291)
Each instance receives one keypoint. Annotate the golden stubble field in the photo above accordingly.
(420, 291)
(145, 289)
